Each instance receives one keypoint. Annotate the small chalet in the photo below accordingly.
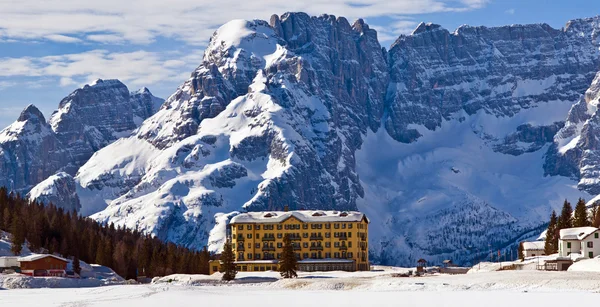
(532, 249)
(584, 241)
(43, 265)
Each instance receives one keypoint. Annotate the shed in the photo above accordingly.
(43, 265)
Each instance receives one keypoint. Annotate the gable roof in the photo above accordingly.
(576, 233)
(35, 257)
(307, 216)
(535, 245)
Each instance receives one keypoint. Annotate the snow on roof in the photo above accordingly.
(576, 233)
(35, 257)
(535, 245)
(302, 215)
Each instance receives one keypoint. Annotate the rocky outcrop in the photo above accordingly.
(437, 74)
(87, 120)
(59, 190)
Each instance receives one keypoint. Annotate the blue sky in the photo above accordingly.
(49, 48)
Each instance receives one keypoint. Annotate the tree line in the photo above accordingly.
(569, 219)
(49, 229)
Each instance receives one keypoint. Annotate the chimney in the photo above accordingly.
(286, 208)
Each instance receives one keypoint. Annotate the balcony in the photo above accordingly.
(343, 247)
(316, 248)
(268, 248)
(343, 238)
(240, 248)
(240, 238)
(316, 238)
(268, 238)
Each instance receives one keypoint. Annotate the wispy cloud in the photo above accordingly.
(136, 68)
(192, 21)
(510, 11)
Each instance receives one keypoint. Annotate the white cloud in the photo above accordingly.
(193, 21)
(510, 11)
(136, 68)
(62, 38)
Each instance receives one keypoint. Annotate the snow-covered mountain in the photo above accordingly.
(441, 140)
(33, 149)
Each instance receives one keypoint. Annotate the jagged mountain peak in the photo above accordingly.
(426, 27)
(31, 112)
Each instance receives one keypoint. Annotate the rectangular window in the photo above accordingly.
(305, 235)
(305, 244)
(249, 256)
(590, 244)
(257, 227)
(249, 227)
(279, 227)
(258, 236)
(257, 256)
(344, 226)
(568, 244)
(327, 226)
(349, 243)
(596, 235)
(327, 234)
(249, 236)
(336, 226)
(279, 245)
(305, 255)
(349, 235)
(240, 227)
(304, 226)
(327, 244)
(279, 235)
(591, 254)
(350, 226)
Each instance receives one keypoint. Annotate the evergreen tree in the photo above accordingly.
(551, 244)
(76, 265)
(204, 265)
(565, 220)
(288, 265)
(580, 218)
(595, 216)
(17, 230)
(228, 267)
(521, 252)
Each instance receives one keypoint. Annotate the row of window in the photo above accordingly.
(304, 226)
(313, 255)
(297, 235)
(296, 244)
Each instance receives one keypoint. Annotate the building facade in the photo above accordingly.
(579, 240)
(43, 265)
(532, 249)
(323, 240)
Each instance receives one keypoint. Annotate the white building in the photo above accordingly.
(581, 240)
(9, 262)
(532, 249)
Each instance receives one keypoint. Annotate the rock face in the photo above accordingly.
(436, 74)
(440, 141)
(58, 189)
(87, 120)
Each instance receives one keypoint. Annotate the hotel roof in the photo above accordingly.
(307, 216)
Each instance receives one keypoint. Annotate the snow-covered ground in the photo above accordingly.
(330, 289)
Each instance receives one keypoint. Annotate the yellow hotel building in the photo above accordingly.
(323, 240)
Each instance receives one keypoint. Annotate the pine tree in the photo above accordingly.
(76, 265)
(204, 261)
(288, 265)
(228, 267)
(565, 220)
(595, 216)
(18, 235)
(580, 218)
(551, 244)
(521, 252)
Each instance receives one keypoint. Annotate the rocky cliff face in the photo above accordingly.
(87, 120)
(58, 189)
